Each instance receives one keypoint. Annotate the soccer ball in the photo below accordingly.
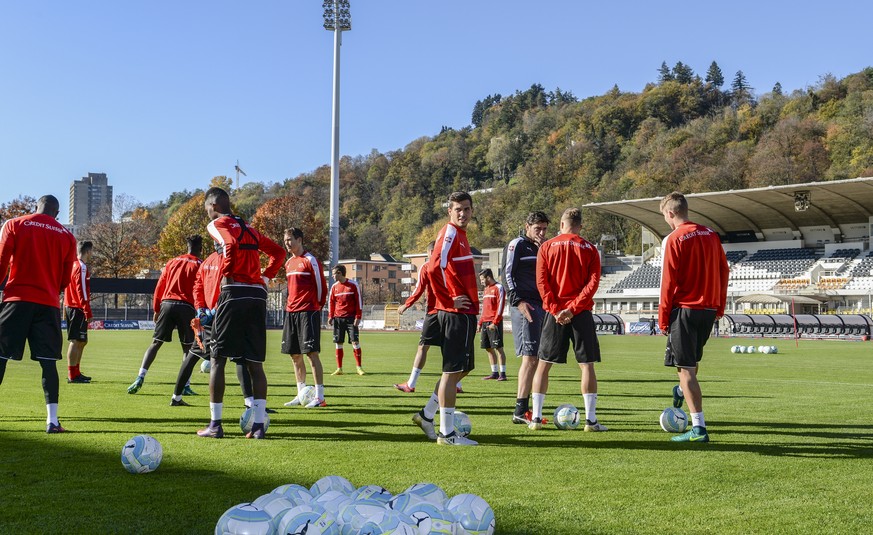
(309, 520)
(750, 349)
(332, 501)
(735, 349)
(566, 417)
(673, 420)
(142, 454)
(403, 501)
(337, 483)
(430, 492)
(354, 515)
(274, 505)
(463, 427)
(205, 366)
(372, 492)
(472, 513)
(244, 519)
(432, 520)
(774, 349)
(306, 395)
(388, 522)
(297, 494)
(247, 420)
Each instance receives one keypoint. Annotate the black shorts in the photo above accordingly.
(301, 333)
(77, 325)
(175, 315)
(689, 331)
(555, 339)
(343, 326)
(239, 329)
(38, 325)
(208, 347)
(430, 331)
(458, 332)
(492, 338)
(526, 334)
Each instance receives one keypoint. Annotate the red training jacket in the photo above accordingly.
(493, 299)
(240, 245)
(177, 280)
(695, 272)
(207, 283)
(452, 270)
(345, 300)
(78, 292)
(422, 285)
(41, 253)
(568, 274)
(306, 284)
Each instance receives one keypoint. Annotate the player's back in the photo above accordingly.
(694, 266)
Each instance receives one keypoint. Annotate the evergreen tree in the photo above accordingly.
(664, 74)
(741, 91)
(683, 73)
(777, 90)
(714, 75)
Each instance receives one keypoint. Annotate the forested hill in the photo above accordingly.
(547, 150)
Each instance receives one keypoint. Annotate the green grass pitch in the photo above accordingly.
(791, 450)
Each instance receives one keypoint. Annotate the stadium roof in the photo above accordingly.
(833, 203)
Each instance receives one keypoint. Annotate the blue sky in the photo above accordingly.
(163, 95)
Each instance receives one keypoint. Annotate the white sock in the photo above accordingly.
(177, 398)
(681, 393)
(300, 386)
(590, 407)
(51, 413)
(502, 368)
(697, 419)
(143, 372)
(215, 410)
(538, 401)
(494, 368)
(459, 385)
(413, 377)
(431, 407)
(260, 408)
(447, 421)
(319, 391)
(249, 401)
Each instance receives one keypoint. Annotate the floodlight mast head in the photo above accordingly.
(337, 15)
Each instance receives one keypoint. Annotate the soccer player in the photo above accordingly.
(430, 330)
(302, 330)
(239, 329)
(526, 306)
(491, 324)
(174, 307)
(38, 253)
(568, 274)
(345, 307)
(694, 281)
(207, 285)
(453, 281)
(77, 308)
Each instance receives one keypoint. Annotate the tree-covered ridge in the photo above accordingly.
(547, 150)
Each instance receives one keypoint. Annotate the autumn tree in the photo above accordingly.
(188, 220)
(23, 205)
(275, 215)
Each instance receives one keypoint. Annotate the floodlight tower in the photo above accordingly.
(337, 19)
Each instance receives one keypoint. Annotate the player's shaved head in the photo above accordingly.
(572, 217)
(675, 202)
(219, 198)
(48, 205)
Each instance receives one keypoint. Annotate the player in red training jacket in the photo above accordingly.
(568, 274)
(301, 334)
(453, 281)
(38, 253)
(344, 309)
(77, 308)
(239, 329)
(491, 324)
(174, 307)
(694, 281)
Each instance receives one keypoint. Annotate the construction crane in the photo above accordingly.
(238, 173)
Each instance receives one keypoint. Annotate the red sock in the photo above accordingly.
(357, 353)
(78, 371)
(339, 357)
(71, 372)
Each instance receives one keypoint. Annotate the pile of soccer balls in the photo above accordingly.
(333, 506)
(767, 350)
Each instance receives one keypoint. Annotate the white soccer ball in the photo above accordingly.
(764, 349)
(310, 519)
(463, 427)
(247, 420)
(774, 349)
(274, 505)
(332, 501)
(306, 395)
(327, 483)
(566, 417)
(430, 492)
(735, 349)
(432, 520)
(403, 501)
(205, 366)
(673, 420)
(472, 513)
(297, 494)
(388, 523)
(750, 349)
(244, 519)
(141, 454)
(354, 515)
(372, 492)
